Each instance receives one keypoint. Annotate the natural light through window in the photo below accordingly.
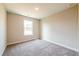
(28, 27)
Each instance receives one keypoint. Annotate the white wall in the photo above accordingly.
(2, 29)
(61, 28)
(16, 28)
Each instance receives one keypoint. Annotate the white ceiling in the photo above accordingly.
(45, 9)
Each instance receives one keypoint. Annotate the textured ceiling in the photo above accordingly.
(45, 9)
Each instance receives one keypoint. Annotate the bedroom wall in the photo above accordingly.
(3, 29)
(78, 26)
(16, 28)
(61, 28)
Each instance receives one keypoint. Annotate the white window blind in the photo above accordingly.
(28, 27)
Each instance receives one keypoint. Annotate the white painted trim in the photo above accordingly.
(17, 42)
(64, 46)
(3, 50)
(20, 41)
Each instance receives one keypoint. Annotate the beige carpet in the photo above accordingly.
(38, 48)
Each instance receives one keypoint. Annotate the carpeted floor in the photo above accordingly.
(37, 48)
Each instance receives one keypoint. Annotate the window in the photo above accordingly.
(28, 27)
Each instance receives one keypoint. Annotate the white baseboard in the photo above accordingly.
(64, 46)
(20, 41)
(17, 42)
(1, 53)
